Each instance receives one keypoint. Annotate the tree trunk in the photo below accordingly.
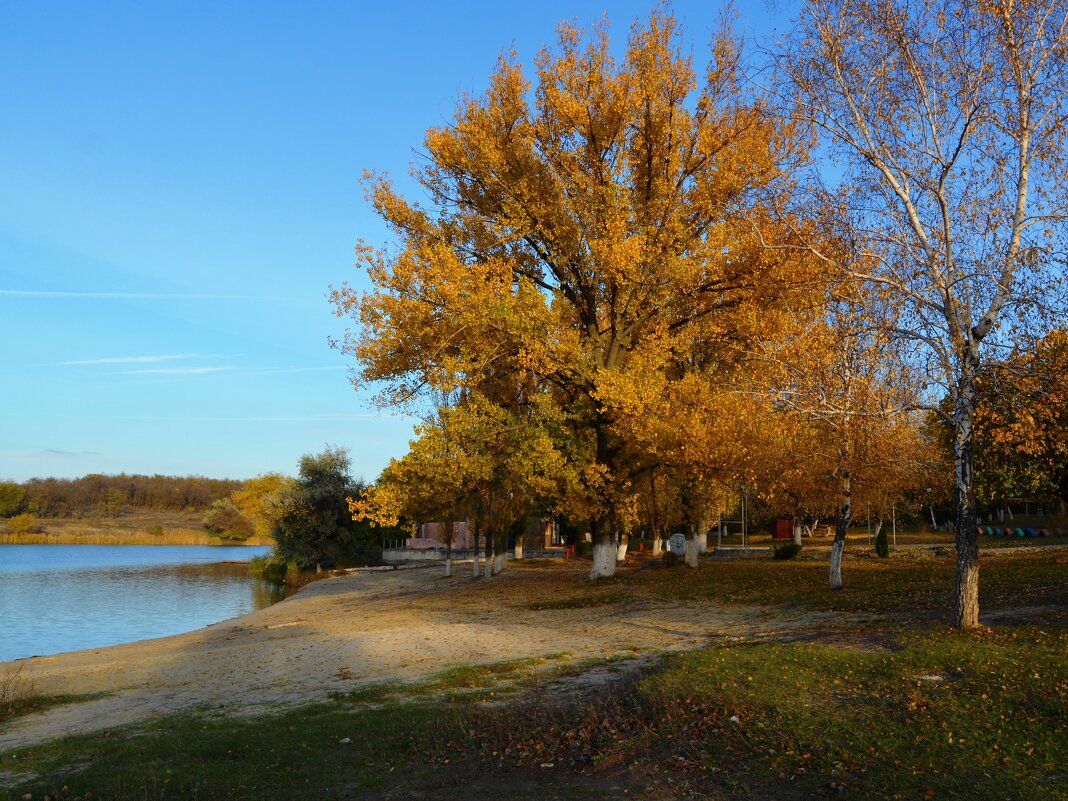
(658, 543)
(966, 595)
(845, 515)
(701, 535)
(488, 569)
(621, 548)
(691, 546)
(797, 534)
(604, 550)
(448, 559)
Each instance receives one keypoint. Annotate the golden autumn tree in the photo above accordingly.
(256, 497)
(579, 229)
(844, 379)
(475, 461)
(1022, 425)
(946, 123)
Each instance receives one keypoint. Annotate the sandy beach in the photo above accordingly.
(344, 631)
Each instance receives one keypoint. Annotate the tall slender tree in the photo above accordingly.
(948, 122)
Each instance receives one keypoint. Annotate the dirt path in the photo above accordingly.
(340, 632)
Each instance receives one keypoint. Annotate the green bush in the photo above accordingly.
(787, 551)
(225, 520)
(882, 543)
(275, 569)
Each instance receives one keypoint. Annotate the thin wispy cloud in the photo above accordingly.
(316, 418)
(296, 369)
(136, 359)
(45, 453)
(231, 369)
(48, 293)
(178, 370)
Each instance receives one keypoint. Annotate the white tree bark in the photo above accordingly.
(621, 548)
(604, 560)
(658, 544)
(691, 548)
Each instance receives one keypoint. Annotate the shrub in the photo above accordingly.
(11, 496)
(156, 530)
(882, 543)
(787, 551)
(226, 520)
(277, 570)
(25, 523)
(669, 559)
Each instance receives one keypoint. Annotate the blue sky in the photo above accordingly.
(179, 189)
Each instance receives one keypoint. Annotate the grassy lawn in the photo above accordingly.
(899, 708)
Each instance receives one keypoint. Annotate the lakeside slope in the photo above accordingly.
(341, 632)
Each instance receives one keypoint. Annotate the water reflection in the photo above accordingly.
(48, 604)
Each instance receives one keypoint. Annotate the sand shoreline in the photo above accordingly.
(340, 632)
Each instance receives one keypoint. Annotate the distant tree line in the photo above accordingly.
(98, 495)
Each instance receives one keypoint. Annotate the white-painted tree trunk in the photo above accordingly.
(691, 548)
(604, 559)
(475, 565)
(658, 545)
(621, 548)
(519, 547)
(797, 534)
(837, 549)
(499, 560)
(701, 542)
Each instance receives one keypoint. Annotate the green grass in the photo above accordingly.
(19, 696)
(917, 587)
(463, 682)
(965, 715)
(30, 704)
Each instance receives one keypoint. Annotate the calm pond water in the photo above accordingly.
(56, 598)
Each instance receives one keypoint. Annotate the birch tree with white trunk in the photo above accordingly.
(947, 122)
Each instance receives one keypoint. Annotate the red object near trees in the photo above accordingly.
(783, 530)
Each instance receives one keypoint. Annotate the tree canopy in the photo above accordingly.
(592, 233)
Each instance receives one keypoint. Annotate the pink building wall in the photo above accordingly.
(430, 537)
